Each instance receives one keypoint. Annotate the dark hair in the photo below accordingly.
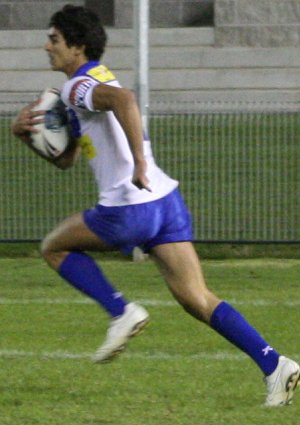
(81, 27)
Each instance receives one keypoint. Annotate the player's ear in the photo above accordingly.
(80, 50)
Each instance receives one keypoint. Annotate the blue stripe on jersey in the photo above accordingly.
(74, 124)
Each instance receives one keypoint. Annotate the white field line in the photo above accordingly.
(145, 302)
(59, 355)
(62, 355)
(153, 356)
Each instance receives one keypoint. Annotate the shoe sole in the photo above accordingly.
(136, 330)
(292, 383)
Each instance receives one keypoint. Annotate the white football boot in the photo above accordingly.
(282, 383)
(129, 324)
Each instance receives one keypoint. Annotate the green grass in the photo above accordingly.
(178, 372)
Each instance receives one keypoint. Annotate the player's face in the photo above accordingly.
(62, 57)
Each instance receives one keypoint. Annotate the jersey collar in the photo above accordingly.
(85, 67)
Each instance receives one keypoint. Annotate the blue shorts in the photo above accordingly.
(145, 225)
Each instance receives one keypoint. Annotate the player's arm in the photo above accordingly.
(25, 124)
(123, 104)
(69, 157)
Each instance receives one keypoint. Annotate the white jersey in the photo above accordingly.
(105, 145)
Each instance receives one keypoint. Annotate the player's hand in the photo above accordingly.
(139, 178)
(26, 120)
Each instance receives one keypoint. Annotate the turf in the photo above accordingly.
(178, 372)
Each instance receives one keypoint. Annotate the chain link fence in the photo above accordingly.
(238, 166)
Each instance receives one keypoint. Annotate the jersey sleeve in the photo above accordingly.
(77, 93)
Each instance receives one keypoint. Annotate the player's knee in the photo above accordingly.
(52, 253)
(48, 251)
(194, 311)
(199, 307)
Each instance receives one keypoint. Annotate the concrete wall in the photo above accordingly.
(257, 23)
(185, 66)
(253, 53)
(24, 65)
(168, 13)
(34, 14)
(26, 14)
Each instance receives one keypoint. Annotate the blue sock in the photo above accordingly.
(231, 325)
(82, 272)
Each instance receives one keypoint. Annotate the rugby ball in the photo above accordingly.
(52, 138)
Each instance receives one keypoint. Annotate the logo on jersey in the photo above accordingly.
(79, 91)
(102, 74)
(88, 149)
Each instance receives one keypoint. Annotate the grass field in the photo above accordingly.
(178, 372)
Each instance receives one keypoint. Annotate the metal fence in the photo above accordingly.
(238, 166)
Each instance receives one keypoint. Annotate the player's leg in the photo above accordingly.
(71, 234)
(179, 264)
(63, 250)
(180, 267)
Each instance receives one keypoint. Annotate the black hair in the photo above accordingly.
(81, 27)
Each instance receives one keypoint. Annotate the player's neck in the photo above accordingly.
(74, 66)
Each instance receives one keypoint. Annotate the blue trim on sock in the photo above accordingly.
(82, 272)
(231, 325)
